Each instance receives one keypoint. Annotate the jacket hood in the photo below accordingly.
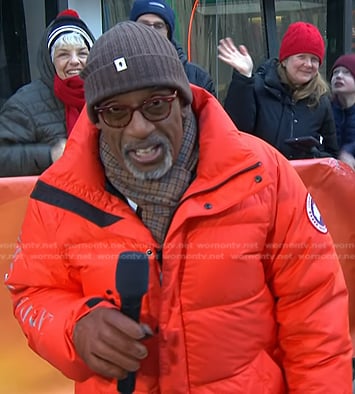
(180, 51)
(268, 72)
(267, 66)
(44, 62)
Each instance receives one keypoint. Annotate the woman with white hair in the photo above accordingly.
(36, 121)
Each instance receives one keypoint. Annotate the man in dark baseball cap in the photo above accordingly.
(161, 17)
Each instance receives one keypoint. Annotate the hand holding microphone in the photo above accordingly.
(106, 339)
(131, 283)
(109, 342)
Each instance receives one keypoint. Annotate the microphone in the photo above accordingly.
(132, 275)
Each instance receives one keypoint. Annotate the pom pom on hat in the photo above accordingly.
(69, 12)
(347, 61)
(157, 7)
(302, 37)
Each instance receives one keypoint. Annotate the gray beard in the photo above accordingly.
(157, 172)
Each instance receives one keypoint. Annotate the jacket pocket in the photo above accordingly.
(261, 376)
(268, 376)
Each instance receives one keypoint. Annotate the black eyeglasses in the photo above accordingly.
(155, 25)
(154, 109)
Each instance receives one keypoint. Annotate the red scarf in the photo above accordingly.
(71, 92)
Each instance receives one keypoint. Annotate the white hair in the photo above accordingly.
(67, 39)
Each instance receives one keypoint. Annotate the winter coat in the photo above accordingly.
(195, 73)
(345, 126)
(32, 121)
(242, 295)
(263, 106)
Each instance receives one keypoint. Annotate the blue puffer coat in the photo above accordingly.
(345, 126)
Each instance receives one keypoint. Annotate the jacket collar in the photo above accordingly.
(80, 171)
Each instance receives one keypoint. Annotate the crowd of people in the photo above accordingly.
(170, 248)
(285, 101)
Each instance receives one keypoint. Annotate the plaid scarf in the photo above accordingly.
(158, 198)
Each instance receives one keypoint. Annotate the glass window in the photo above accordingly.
(14, 67)
(114, 11)
(212, 20)
(200, 24)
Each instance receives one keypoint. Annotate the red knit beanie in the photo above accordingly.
(347, 61)
(302, 37)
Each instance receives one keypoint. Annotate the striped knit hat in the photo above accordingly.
(131, 56)
(68, 21)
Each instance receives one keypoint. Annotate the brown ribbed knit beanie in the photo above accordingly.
(131, 56)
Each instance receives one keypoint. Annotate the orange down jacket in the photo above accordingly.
(247, 296)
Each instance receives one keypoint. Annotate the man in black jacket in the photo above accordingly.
(160, 16)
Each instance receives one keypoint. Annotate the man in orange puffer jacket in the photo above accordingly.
(160, 206)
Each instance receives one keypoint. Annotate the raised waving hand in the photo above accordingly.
(237, 57)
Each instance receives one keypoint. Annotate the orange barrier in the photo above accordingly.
(332, 185)
(21, 370)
